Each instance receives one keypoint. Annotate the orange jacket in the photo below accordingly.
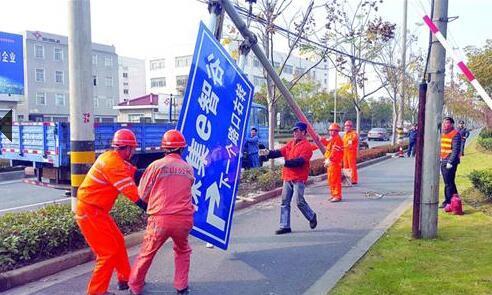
(350, 141)
(301, 149)
(109, 176)
(166, 186)
(334, 150)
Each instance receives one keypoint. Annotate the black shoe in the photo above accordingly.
(183, 291)
(283, 231)
(443, 205)
(314, 222)
(122, 285)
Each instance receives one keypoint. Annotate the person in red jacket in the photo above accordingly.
(333, 161)
(166, 186)
(110, 175)
(350, 149)
(297, 154)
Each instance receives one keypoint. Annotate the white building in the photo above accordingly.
(131, 73)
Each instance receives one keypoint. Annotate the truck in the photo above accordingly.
(45, 146)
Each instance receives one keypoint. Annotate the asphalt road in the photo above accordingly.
(259, 262)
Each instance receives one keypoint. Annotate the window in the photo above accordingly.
(158, 82)
(125, 75)
(314, 75)
(276, 64)
(109, 81)
(299, 71)
(96, 101)
(59, 77)
(109, 102)
(183, 61)
(58, 54)
(94, 59)
(39, 75)
(20, 118)
(39, 51)
(181, 80)
(60, 119)
(125, 83)
(94, 80)
(258, 81)
(134, 118)
(125, 91)
(157, 64)
(108, 61)
(256, 63)
(41, 98)
(60, 99)
(288, 69)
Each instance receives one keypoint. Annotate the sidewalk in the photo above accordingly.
(259, 262)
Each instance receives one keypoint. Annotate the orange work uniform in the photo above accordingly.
(334, 153)
(350, 147)
(166, 186)
(109, 176)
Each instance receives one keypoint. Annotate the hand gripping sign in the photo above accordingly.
(213, 120)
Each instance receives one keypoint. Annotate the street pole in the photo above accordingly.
(432, 129)
(248, 35)
(335, 100)
(403, 65)
(82, 154)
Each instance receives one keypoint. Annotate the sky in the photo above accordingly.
(147, 28)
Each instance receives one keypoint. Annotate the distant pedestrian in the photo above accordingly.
(252, 148)
(350, 150)
(412, 140)
(166, 185)
(450, 158)
(465, 133)
(297, 154)
(333, 163)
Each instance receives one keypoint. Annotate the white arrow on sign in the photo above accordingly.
(214, 196)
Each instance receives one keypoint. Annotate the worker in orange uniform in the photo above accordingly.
(166, 186)
(109, 176)
(350, 148)
(333, 161)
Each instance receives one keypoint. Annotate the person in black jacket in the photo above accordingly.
(412, 139)
(464, 135)
(450, 158)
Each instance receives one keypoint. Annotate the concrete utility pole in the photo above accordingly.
(403, 65)
(433, 118)
(82, 154)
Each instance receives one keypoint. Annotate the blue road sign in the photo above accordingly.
(11, 65)
(214, 121)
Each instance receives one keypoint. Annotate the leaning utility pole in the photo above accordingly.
(82, 154)
(403, 65)
(433, 118)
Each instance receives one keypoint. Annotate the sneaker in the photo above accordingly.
(283, 231)
(183, 291)
(334, 200)
(122, 285)
(314, 222)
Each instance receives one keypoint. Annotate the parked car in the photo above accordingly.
(363, 145)
(378, 134)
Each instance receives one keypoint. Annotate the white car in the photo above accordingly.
(378, 134)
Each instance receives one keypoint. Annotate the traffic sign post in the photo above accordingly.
(214, 121)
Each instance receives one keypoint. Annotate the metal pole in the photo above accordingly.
(403, 65)
(170, 107)
(419, 147)
(433, 118)
(335, 96)
(216, 18)
(248, 35)
(82, 154)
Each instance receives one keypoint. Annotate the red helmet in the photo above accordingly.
(173, 139)
(334, 126)
(124, 137)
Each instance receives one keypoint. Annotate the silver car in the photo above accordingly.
(378, 134)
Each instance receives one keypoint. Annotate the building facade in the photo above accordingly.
(46, 95)
(132, 82)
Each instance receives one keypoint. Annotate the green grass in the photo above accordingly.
(459, 261)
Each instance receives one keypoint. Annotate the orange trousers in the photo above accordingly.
(335, 180)
(159, 229)
(106, 241)
(350, 162)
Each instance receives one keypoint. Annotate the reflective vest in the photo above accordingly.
(351, 141)
(108, 177)
(334, 150)
(446, 143)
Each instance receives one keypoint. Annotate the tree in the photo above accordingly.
(360, 36)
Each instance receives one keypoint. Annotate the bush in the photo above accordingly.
(28, 237)
(486, 133)
(482, 181)
(485, 143)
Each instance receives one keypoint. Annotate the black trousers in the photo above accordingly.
(449, 176)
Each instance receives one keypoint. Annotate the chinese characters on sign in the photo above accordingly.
(213, 120)
(11, 65)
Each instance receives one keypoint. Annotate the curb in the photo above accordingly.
(36, 271)
(12, 175)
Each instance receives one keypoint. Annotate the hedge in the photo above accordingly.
(482, 181)
(485, 139)
(28, 237)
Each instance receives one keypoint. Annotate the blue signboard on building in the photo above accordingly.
(11, 64)
(214, 121)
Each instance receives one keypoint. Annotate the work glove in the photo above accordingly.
(327, 163)
(141, 204)
(449, 166)
(263, 152)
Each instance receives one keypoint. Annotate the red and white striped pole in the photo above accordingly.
(461, 64)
